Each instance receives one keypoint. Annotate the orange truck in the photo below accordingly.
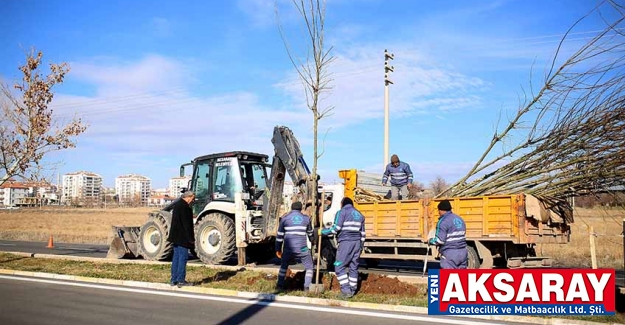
(502, 230)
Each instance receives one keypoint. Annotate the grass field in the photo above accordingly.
(93, 226)
(90, 226)
(607, 224)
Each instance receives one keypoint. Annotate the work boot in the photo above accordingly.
(347, 294)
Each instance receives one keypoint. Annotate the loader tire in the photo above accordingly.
(215, 239)
(473, 260)
(153, 243)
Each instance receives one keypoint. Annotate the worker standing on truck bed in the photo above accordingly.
(401, 178)
(182, 237)
(292, 232)
(349, 229)
(450, 236)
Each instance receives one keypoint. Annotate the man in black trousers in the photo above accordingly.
(182, 236)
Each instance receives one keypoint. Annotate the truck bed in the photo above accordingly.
(486, 217)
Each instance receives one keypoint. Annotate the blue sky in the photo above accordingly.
(160, 83)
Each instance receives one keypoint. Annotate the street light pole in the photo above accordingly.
(387, 68)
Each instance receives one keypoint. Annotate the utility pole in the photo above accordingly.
(387, 68)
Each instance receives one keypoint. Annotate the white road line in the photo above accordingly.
(1, 244)
(430, 319)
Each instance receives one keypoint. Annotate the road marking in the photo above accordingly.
(1, 244)
(340, 310)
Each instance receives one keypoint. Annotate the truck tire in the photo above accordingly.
(473, 260)
(153, 243)
(215, 239)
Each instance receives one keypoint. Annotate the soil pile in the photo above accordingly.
(368, 283)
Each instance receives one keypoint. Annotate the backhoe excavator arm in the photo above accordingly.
(288, 158)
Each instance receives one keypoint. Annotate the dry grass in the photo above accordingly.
(607, 224)
(71, 225)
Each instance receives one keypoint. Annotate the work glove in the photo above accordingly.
(432, 241)
(279, 254)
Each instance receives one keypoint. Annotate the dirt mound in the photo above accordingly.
(368, 283)
(377, 284)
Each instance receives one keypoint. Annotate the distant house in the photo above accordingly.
(160, 200)
(13, 193)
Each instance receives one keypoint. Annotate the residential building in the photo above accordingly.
(159, 192)
(176, 184)
(160, 200)
(12, 193)
(81, 186)
(133, 189)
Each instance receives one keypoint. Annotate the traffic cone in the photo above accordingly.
(50, 242)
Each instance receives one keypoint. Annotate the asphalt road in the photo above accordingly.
(86, 250)
(49, 302)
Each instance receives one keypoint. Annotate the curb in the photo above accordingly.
(294, 299)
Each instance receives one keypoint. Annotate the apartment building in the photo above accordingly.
(81, 186)
(133, 189)
(12, 193)
(176, 183)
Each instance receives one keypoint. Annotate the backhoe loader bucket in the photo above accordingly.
(124, 243)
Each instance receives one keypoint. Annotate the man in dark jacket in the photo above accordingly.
(349, 229)
(450, 237)
(182, 236)
(294, 229)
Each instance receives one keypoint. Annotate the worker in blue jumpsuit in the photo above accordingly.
(450, 238)
(349, 229)
(291, 243)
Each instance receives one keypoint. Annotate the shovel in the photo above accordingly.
(427, 251)
(317, 287)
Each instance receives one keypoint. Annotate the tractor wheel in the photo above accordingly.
(215, 239)
(153, 244)
(473, 259)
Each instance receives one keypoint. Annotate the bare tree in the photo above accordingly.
(313, 71)
(28, 130)
(438, 185)
(571, 130)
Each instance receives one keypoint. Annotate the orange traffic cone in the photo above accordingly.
(50, 242)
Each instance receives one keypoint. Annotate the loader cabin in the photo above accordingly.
(216, 177)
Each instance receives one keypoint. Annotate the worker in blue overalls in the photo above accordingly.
(349, 229)
(291, 243)
(450, 237)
